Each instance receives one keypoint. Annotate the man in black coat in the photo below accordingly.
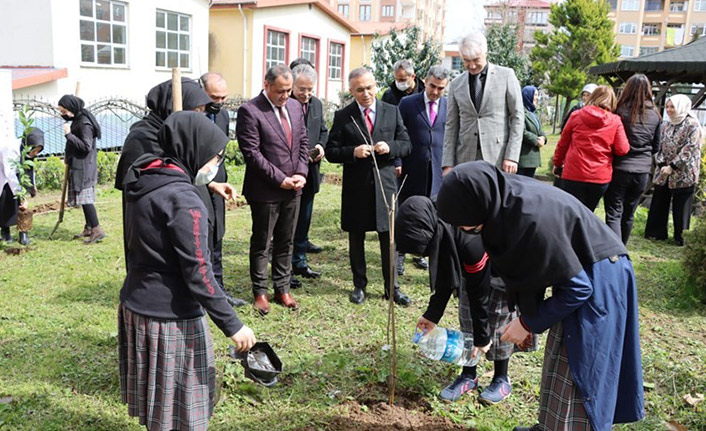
(217, 89)
(365, 132)
(305, 78)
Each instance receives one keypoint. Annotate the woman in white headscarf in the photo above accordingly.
(677, 171)
(9, 185)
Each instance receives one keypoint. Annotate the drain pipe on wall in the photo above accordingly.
(245, 50)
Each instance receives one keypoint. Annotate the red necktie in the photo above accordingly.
(285, 126)
(369, 121)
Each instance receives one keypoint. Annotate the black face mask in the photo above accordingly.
(213, 108)
(67, 118)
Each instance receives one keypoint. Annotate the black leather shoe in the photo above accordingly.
(400, 298)
(235, 302)
(295, 283)
(313, 248)
(420, 263)
(5, 235)
(306, 272)
(358, 296)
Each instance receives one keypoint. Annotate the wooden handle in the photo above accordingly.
(176, 90)
(64, 187)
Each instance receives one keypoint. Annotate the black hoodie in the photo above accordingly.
(169, 265)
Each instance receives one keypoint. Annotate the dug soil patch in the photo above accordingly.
(382, 417)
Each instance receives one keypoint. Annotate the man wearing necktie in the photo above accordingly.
(363, 130)
(305, 79)
(424, 115)
(272, 136)
(485, 117)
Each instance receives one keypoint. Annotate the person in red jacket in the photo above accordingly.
(584, 154)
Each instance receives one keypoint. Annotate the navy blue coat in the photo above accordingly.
(423, 165)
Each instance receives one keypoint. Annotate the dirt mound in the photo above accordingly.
(383, 417)
(46, 207)
(332, 178)
(235, 204)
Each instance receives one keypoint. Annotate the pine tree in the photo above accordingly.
(503, 41)
(405, 45)
(582, 37)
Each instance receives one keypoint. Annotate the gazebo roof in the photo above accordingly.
(685, 64)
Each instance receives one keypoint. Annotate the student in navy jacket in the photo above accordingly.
(537, 236)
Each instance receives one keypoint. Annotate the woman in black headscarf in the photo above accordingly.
(537, 236)
(170, 281)
(458, 261)
(80, 155)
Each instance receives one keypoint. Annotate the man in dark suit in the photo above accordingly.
(272, 137)
(218, 190)
(424, 115)
(303, 90)
(365, 132)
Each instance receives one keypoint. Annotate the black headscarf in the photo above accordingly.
(34, 139)
(159, 98)
(419, 231)
(535, 235)
(142, 138)
(75, 105)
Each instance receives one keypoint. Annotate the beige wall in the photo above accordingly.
(360, 51)
(228, 54)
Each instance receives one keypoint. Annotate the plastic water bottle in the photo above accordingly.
(448, 345)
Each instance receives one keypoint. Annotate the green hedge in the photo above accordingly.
(50, 172)
(694, 260)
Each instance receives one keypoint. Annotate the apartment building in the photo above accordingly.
(648, 26)
(428, 15)
(529, 16)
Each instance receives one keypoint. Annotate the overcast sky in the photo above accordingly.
(462, 17)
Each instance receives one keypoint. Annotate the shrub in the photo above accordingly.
(107, 166)
(233, 154)
(49, 173)
(694, 260)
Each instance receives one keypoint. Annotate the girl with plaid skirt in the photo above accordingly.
(538, 236)
(458, 261)
(80, 155)
(167, 370)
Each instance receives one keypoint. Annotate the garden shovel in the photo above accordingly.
(64, 186)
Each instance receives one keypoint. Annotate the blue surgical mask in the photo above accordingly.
(205, 175)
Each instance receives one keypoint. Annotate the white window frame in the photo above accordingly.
(684, 6)
(368, 15)
(654, 29)
(695, 27)
(630, 5)
(627, 28)
(335, 68)
(344, 9)
(653, 50)
(272, 46)
(627, 51)
(94, 22)
(178, 33)
(699, 5)
(307, 52)
(388, 11)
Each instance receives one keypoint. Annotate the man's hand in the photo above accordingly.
(381, 148)
(244, 339)
(299, 181)
(67, 129)
(515, 333)
(509, 166)
(425, 325)
(287, 184)
(362, 151)
(398, 171)
(541, 141)
(225, 190)
(24, 205)
(445, 170)
(321, 153)
(556, 171)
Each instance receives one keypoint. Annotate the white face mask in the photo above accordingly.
(402, 86)
(205, 175)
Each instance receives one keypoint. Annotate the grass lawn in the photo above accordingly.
(58, 359)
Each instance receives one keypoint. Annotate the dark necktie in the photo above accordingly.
(285, 126)
(477, 91)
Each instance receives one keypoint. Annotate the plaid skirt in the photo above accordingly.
(84, 197)
(560, 404)
(499, 315)
(167, 371)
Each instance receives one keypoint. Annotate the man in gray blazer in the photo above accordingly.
(485, 117)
